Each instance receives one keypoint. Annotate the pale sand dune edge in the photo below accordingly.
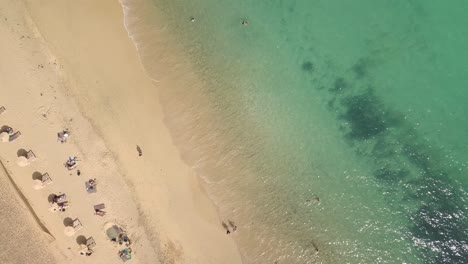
(25, 201)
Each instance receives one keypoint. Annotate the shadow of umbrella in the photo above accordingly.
(51, 197)
(81, 240)
(4, 129)
(68, 221)
(21, 153)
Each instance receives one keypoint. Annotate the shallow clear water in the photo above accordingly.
(329, 131)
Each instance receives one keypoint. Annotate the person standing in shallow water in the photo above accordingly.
(244, 22)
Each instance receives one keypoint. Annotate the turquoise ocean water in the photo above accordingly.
(329, 131)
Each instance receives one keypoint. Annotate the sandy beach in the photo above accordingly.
(71, 65)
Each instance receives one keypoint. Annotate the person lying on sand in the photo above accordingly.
(91, 184)
(71, 163)
(9, 130)
(62, 137)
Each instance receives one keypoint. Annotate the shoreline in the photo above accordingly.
(185, 224)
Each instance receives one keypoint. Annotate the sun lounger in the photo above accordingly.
(15, 136)
(90, 243)
(63, 136)
(46, 178)
(125, 254)
(98, 209)
(2, 109)
(60, 198)
(99, 206)
(77, 224)
(30, 155)
(89, 188)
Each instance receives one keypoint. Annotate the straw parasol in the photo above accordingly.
(4, 137)
(69, 231)
(22, 161)
(37, 184)
(83, 249)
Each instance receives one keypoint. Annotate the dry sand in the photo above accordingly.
(70, 64)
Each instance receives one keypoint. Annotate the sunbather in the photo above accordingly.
(71, 163)
(62, 206)
(100, 212)
(59, 198)
(63, 136)
(9, 130)
(92, 184)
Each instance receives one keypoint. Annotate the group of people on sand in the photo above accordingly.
(91, 184)
(59, 202)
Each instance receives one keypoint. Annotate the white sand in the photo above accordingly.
(70, 64)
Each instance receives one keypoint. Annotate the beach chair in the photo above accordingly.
(98, 209)
(2, 109)
(14, 136)
(46, 179)
(30, 155)
(125, 254)
(90, 243)
(89, 188)
(77, 224)
(60, 198)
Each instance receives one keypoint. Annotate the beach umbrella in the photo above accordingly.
(83, 249)
(69, 231)
(4, 137)
(37, 184)
(22, 161)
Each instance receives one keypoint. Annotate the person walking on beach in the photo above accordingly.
(226, 227)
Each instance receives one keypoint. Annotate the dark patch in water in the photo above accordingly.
(360, 68)
(331, 103)
(339, 85)
(417, 156)
(390, 175)
(308, 66)
(366, 116)
(382, 151)
(440, 223)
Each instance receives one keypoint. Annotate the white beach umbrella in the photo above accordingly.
(37, 184)
(22, 161)
(4, 137)
(69, 231)
(83, 249)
